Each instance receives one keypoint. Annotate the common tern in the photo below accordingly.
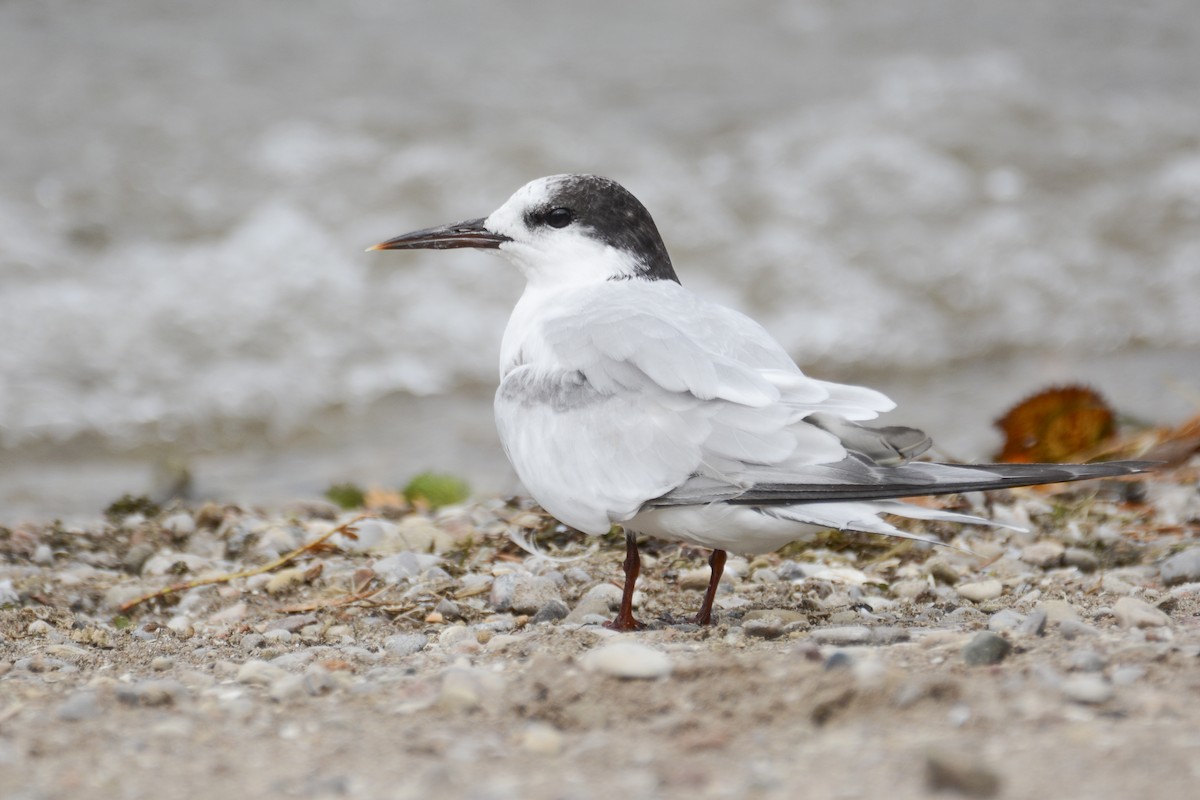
(625, 399)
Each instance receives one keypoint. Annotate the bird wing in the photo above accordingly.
(626, 394)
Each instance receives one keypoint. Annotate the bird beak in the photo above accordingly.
(471, 233)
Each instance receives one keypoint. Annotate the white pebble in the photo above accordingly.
(628, 660)
(981, 590)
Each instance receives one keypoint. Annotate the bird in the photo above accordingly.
(627, 400)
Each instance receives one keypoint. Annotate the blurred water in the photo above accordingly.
(955, 201)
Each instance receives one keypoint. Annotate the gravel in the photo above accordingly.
(473, 669)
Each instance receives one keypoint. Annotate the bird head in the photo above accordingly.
(561, 230)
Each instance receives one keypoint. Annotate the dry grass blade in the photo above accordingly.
(346, 529)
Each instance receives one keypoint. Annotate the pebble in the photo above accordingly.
(448, 609)
(600, 600)
(1182, 567)
(530, 594)
(259, 673)
(161, 663)
(1043, 554)
(1058, 611)
(1034, 623)
(1082, 560)
(39, 627)
(1085, 660)
(772, 623)
(542, 739)
(137, 557)
(981, 590)
(986, 648)
(180, 524)
(960, 773)
(1005, 621)
(252, 641)
(151, 693)
(628, 660)
(1089, 688)
(842, 635)
(1073, 628)
(78, 706)
(1134, 613)
(405, 644)
(553, 611)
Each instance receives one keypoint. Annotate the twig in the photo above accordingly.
(335, 602)
(346, 528)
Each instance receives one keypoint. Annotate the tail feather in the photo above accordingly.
(991, 476)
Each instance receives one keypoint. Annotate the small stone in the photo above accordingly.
(697, 579)
(1085, 660)
(78, 706)
(180, 524)
(229, 615)
(1074, 628)
(161, 663)
(1005, 621)
(277, 636)
(253, 641)
(151, 693)
(287, 687)
(1080, 559)
(628, 660)
(1088, 688)
(1043, 554)
(1034, 623)
(979, 591)
(842, 635)
(39, 627)
(285, 580)
(531, 593)
(1128, 675)
(259, 673)
(986, 648)
(405, 644)
(448, 609)
(541, 739)
(960, 773)
(136, 557)
(1134, 613)
(600, 600)
(1182, 567)
(553, 611)
(1058, 611)
(772, 623)
(181, 626)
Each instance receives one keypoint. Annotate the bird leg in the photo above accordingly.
(717, 562)
(633, 565)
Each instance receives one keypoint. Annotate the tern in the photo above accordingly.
(625, 399)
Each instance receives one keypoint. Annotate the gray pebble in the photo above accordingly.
(1182, 567)
(161, 663)
(847, 634)
(1043, 554)
(553, 611)
(1085, 660)
(1034, 623)
(600, 600)
(151, 693)
(448, 609)
(986, 648)
(136, 557)
(1082, 560)
(277, 636)
(259, 673)
(79, 706)
(531, 593)
(1125, 676)
(1074, 628)
(1004, 621)
(253, 641)
(838, 659)
(405, 644)
(1089, 688)
(577, 575)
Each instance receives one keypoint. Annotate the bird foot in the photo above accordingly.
(625, 622)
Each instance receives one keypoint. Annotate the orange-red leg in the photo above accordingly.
(717, 562)
(625, 620)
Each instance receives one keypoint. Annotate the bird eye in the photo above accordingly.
(559, 217)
